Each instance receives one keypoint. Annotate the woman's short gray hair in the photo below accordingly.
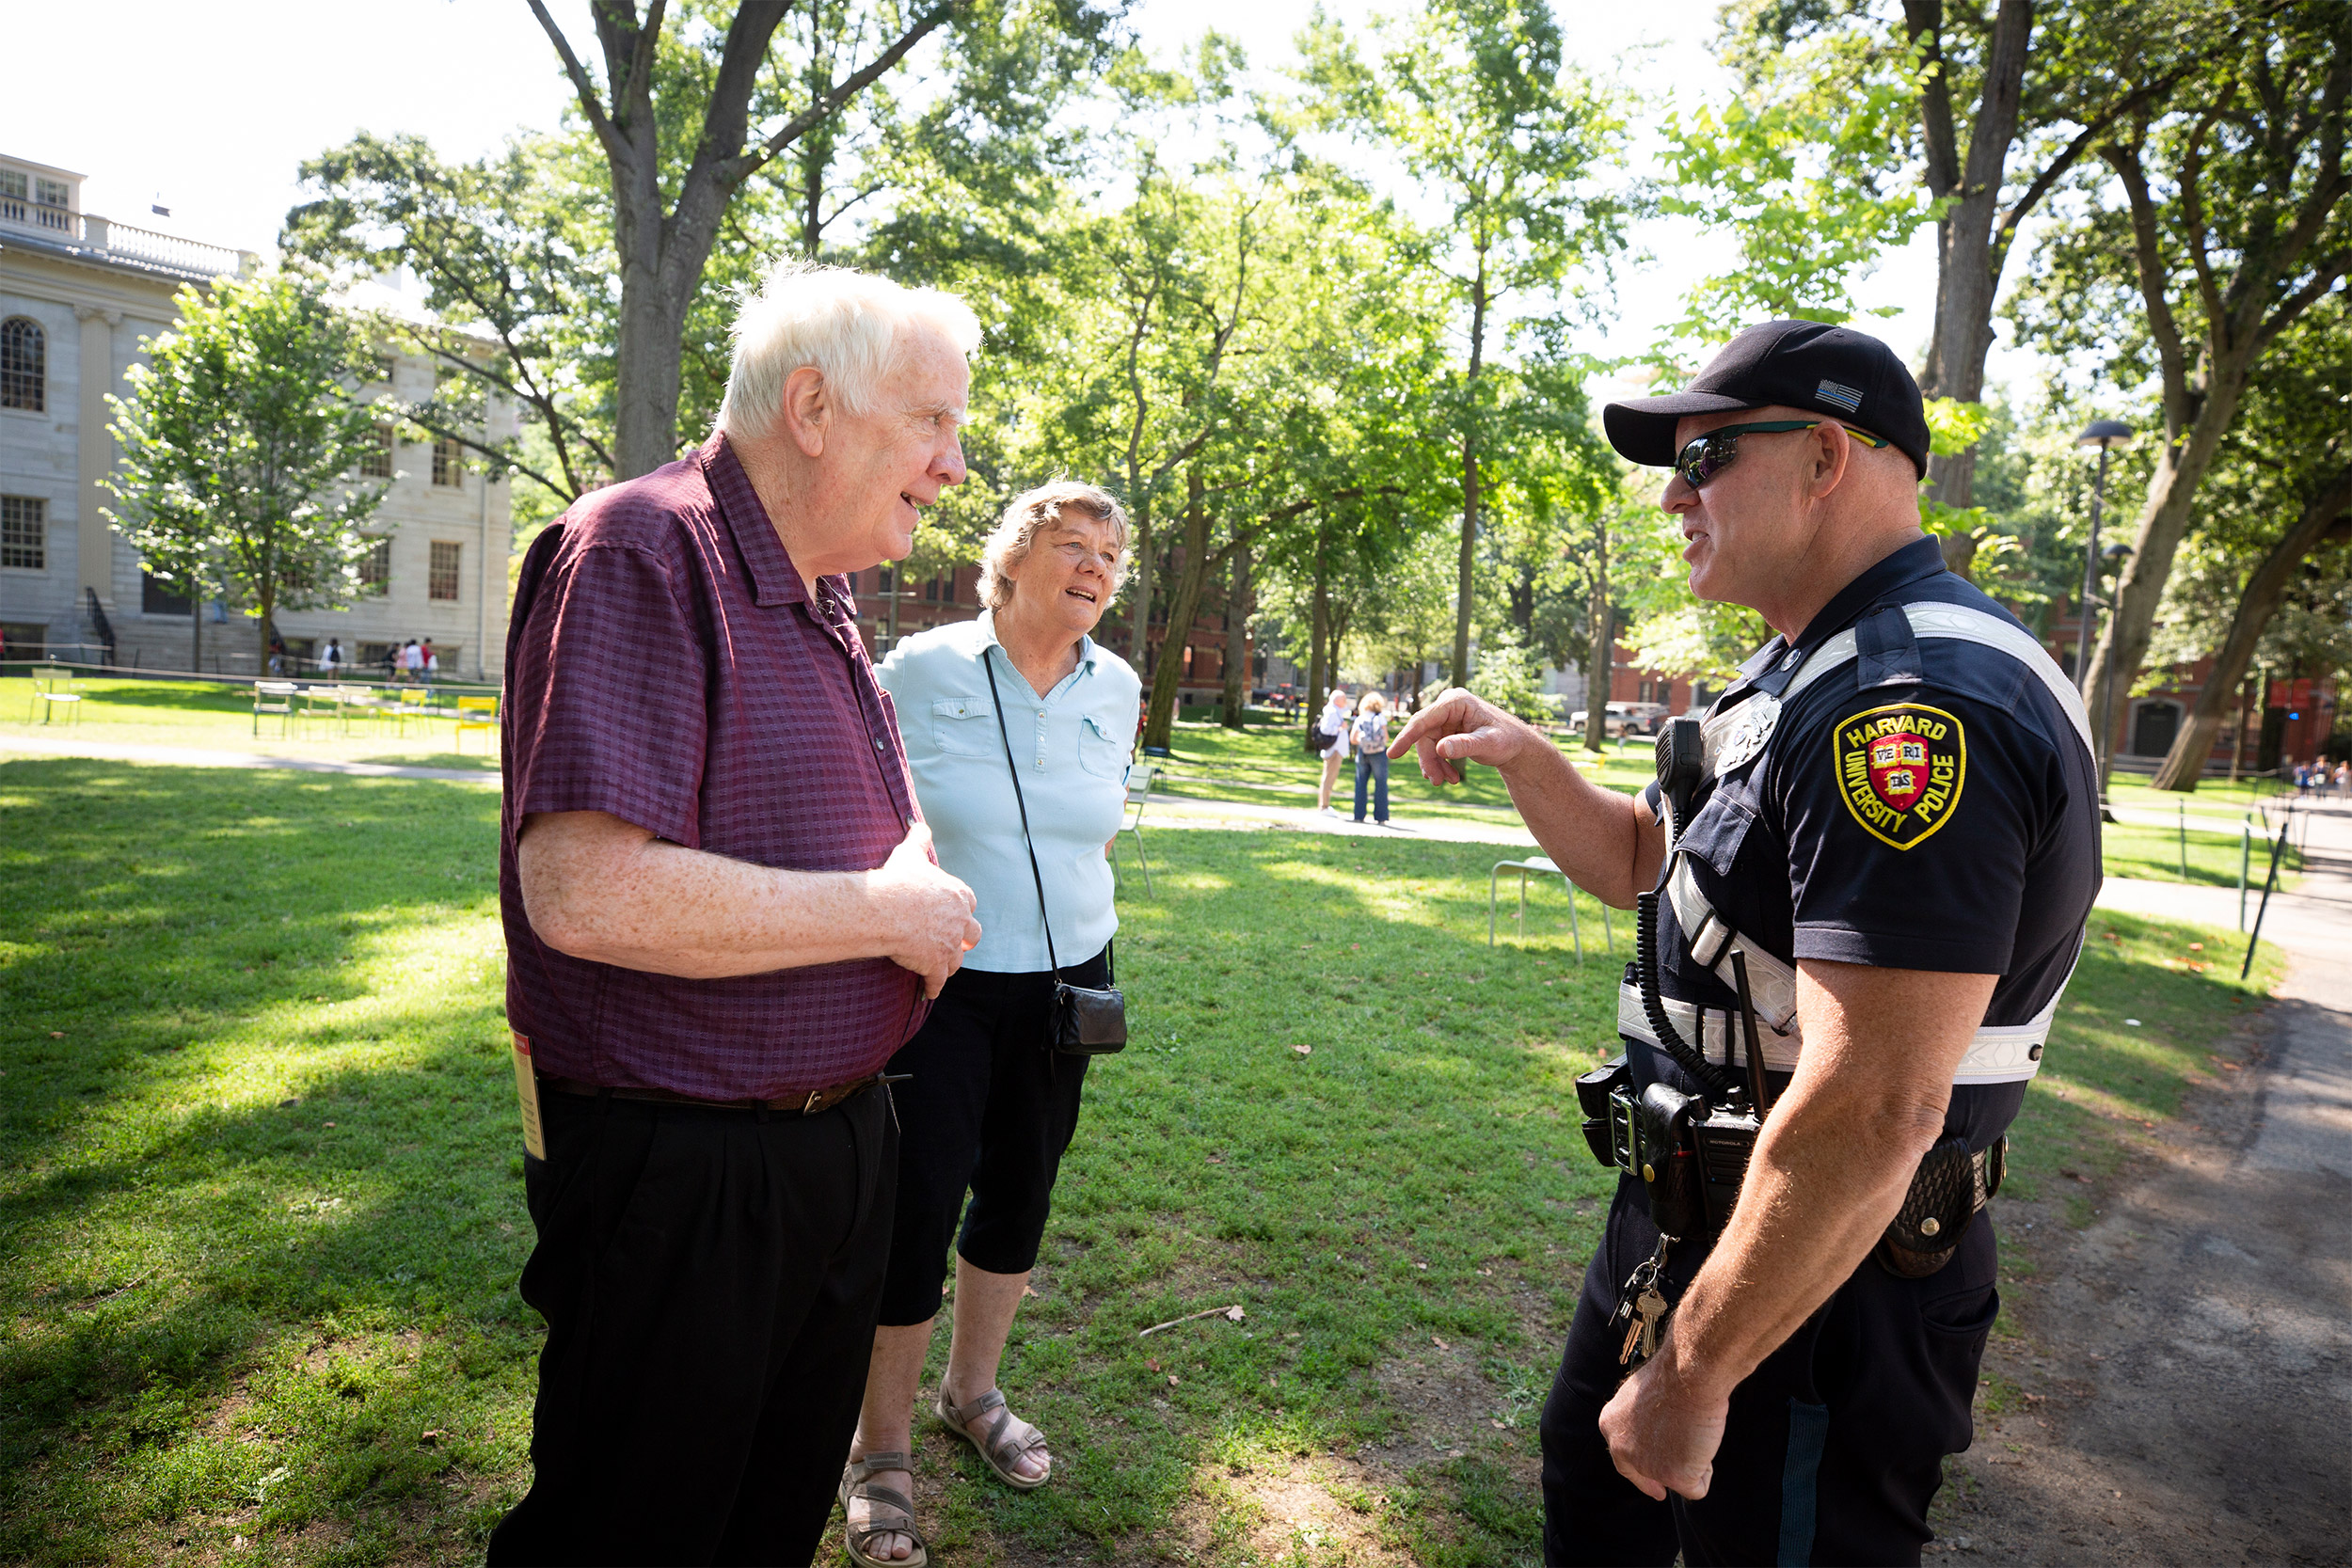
(852, 327)
(1031, 510)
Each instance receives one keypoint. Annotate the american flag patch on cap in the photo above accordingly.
(1839, 396)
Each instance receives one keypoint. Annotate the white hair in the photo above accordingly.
(852, 327)
(1031, 510)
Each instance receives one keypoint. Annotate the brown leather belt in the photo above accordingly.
(810, 1104)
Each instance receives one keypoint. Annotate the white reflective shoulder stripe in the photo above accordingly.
(1772, 984)
(1962, 624)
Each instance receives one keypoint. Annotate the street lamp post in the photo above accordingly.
(2111, 559)
(2105, 435)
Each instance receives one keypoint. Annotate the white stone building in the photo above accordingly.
(77, 293)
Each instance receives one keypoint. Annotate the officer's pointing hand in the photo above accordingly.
(1661, 1434)
(1461, 727)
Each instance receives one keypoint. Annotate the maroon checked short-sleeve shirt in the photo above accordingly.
(668, 666)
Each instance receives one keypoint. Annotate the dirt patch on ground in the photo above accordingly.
(2181, 1390)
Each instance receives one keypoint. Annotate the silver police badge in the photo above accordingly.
(1732, 739)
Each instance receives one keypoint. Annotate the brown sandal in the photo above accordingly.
(1009, 1439)
(882, 1503)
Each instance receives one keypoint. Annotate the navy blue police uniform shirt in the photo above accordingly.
(1811, 868)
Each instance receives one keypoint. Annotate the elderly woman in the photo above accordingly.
(991, 1105)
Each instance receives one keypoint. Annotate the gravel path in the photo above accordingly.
(2186, 1366)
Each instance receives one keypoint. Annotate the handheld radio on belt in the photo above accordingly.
(1691, 1151)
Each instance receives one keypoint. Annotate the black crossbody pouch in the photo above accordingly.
(1086, 1020)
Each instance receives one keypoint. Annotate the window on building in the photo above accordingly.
(25, 532)
(449, 462)
(375, 571)
(51, 193)
(378, 463)
(947, 589)
(23, 639)
(440, 581)
(384, 363)
(160, 598)
(12, 183)
(23, 365)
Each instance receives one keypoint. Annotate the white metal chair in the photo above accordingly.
(1140, 777)
(276, 698)
(1543, 865)
(52, 691)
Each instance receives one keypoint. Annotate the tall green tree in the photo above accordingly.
(2282, 485)
(1524, 155)
(510, 249)
(688, 107)
(1856, 123)
(240, 439)
(2227, 217)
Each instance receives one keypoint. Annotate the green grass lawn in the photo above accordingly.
(221, 718)
(262, 1215)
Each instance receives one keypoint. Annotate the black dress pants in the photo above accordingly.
(989, 1108)
(1835, 1443)
(709, 1277)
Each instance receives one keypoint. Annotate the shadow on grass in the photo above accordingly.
(228, 1317)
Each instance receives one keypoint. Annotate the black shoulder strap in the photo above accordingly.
(1006, 735)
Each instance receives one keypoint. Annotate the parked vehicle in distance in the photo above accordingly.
(1623, 719)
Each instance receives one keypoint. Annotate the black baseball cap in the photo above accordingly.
(1794, 364)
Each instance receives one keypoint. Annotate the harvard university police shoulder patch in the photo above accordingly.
(1900, 769)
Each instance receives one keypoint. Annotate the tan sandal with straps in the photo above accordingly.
(889, 1512)
(1009, 1439)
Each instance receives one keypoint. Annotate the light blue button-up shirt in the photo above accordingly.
(1073, 748)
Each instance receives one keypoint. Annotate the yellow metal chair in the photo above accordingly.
(487, 725)
(276, 698)
(52, 690)
(411, 705)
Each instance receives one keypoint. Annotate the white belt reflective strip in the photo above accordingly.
(1999, 1054)
(1719, 1037)
(1964, 625)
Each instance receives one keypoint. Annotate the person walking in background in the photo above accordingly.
(1331, 726)
(428, 662)
(722, 918)
(989, 1104)
(331, 661)
(1369, 734)
(276, 655)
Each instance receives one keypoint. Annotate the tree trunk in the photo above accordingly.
(1183, 606)
(1969, 258)
(1238, 605)
(1139, 593)
(2186, 763)
(1601, 658)
(662, 251)
(1463, 586)
(2181, 466)
(1319, 636)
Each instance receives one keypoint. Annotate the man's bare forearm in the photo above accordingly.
(1608, 843)
(604, 890)
(1831, 1166)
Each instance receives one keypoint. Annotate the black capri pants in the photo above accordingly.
(988, 1107)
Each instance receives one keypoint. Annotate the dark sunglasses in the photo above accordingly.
(1701, 459)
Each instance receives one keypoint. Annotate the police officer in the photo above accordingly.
(1867, 875)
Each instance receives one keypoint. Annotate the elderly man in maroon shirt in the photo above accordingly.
(721, 919)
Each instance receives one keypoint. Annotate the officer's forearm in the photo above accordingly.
(1606, 843)
(1834, 1161)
